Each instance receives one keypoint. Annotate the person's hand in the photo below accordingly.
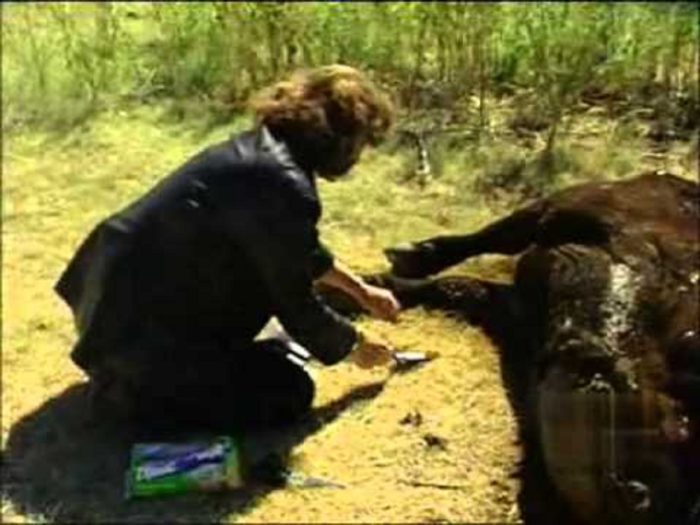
(369, 354)
(381, 303)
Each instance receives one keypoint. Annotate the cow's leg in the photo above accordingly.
(509, 236)
(489, 305)
(471, 298)
(461, 295)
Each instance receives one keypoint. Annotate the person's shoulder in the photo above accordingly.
(254, 165)
(233, 153)
(275, 161)
(284, 176)
(253, 153)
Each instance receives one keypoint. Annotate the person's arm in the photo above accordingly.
(380, 302)
(281, 247)
(276, 228)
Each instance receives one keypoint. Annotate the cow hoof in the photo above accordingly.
(411, 260)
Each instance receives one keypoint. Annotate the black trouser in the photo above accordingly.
(205, 389)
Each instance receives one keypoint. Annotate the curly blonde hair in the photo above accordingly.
(324, 103)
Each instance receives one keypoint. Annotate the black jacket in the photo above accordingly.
(208, 254)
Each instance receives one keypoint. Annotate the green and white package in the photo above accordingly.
(174, 468)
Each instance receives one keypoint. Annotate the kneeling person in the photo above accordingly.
(169, 293)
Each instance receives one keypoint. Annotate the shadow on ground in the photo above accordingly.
(62, 464)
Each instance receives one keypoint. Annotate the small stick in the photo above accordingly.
(444, 486)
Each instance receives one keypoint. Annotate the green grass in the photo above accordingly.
(63, 62)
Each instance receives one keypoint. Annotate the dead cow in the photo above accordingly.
(603, 319)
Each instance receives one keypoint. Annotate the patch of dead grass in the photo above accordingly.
(55, 190)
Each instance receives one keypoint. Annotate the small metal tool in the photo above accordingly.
(407, 360)
(298, 480)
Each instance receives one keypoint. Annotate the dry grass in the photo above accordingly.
(59, 467)
(460, 399)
